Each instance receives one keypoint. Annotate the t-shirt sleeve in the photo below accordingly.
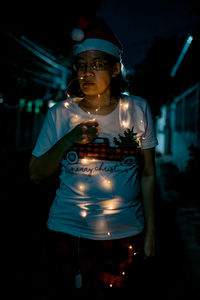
(47, 136)
(149, 139)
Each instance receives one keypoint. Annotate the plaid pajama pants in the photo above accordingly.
(94, 264)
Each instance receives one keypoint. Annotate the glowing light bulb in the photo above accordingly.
(134, 253)
(108, 233)
(66, 104)
(111, 285)
(81, 187)
(124, 124)
(83, 213)
(75, 119)
(125, 105)
(107, 184)
(84, 161)
(130, 247)
(123, 273)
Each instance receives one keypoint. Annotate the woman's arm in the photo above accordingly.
(148, 197)
(47, 164)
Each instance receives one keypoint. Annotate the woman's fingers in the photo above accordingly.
(89, 131)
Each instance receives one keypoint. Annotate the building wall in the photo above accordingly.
(160, 130)
(178, 127)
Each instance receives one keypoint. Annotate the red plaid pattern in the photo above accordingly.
(103, 264)
(104, 151)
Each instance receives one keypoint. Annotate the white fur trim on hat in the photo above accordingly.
(97, 44)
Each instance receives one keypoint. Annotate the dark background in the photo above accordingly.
(153, 34)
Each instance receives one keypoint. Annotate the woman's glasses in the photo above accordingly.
(94, 66)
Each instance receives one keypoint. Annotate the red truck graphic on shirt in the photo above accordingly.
(100, 149)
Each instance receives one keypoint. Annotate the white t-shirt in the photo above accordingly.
(99, 195)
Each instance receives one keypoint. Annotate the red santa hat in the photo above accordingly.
(95, 35)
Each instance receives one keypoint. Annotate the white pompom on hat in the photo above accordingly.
(77, 35)
(95, 35)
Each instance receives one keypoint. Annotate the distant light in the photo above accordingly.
(1, 100)
(189, 40)
(22, 103)
(29, 106)
(38, 105)
(126, 93)
(123, 70)
(181, 56)
(51, 103)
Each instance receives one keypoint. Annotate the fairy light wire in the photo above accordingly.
(123, 114)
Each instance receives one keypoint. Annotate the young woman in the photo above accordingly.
(102, 221)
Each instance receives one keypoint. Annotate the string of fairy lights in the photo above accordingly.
(105, 182)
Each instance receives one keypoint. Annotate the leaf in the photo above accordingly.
(128, 140)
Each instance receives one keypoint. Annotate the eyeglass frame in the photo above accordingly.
(92, 66)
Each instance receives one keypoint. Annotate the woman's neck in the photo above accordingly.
(98, 105)
(100, 100)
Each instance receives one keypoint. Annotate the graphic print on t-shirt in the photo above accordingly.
(126, 151)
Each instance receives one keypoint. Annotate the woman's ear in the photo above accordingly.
(116, 69)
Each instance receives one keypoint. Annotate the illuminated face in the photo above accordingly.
(95, 72)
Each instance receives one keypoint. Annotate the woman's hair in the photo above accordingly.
(118, 83)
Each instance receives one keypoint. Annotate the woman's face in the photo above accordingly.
(95, 72)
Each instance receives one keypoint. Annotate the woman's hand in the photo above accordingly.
(85, 132)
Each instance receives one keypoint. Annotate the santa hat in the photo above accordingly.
(95, 35)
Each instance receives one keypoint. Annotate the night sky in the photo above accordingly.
(137, 23)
